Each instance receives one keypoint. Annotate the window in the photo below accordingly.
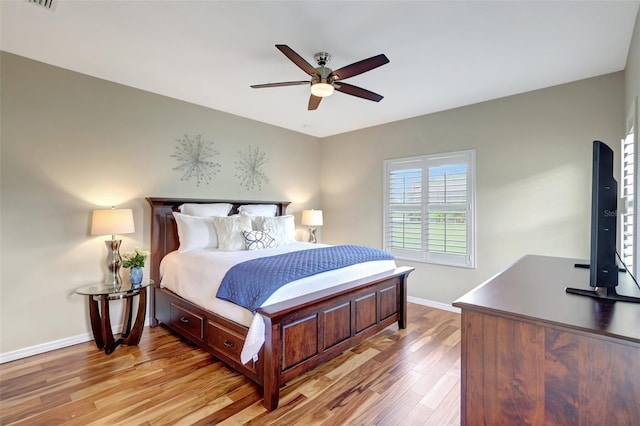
(627, 190)
(628, 226)
(429, 208)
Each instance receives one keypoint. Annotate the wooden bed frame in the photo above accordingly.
(301, 333)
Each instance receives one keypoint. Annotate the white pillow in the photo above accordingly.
(283, 228)
(259, 209)
(229, 230)
(195, 232)
(206, 210)
(256, 240)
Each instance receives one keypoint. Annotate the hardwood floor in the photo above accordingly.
(406, 377)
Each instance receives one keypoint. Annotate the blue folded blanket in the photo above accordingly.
(250, 283)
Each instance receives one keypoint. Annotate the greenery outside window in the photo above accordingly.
(429, 208)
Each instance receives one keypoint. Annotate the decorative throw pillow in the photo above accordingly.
(195, 232)
(256, 240)
(229, 230)
(206, 210)
(256, 221)
(283, 228)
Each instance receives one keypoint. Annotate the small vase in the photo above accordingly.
(135, 275)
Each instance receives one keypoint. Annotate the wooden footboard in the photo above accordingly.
(301, 333)
(307, 331)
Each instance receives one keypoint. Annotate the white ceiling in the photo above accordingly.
(442, 54)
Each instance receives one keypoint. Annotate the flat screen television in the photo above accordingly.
(602, 265)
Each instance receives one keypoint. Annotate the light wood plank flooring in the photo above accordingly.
(406, 377)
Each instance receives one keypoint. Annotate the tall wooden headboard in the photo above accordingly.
(164, 233)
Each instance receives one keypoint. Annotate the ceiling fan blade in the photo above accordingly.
(360, 67)
(297, 59)
(284, 83)
(314, 101)
(352, 90)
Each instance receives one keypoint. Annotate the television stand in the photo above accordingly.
(587, 266)
(606, 293)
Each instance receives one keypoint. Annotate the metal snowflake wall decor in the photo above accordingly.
(250, 168)
(194, 158)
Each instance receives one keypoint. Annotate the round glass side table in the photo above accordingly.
(100, 295)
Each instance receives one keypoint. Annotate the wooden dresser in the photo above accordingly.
(534, 355)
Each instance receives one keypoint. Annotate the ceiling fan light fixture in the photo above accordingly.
(323, 78)
(321, 90)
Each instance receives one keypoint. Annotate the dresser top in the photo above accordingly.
(533, 289)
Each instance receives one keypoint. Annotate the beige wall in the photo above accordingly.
(72, 143)
(632, 70)
(533, 175)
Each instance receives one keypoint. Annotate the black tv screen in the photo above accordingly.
(602, 265)
(604, 203)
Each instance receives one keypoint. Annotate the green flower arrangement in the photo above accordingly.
(135, 258)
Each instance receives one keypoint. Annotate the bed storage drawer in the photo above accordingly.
(187, 321)
(225, 340)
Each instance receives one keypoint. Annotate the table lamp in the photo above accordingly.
(312, 219)
(111, 222)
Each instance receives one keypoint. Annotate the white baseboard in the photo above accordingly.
(45, 347)
(52, 346)
(433, 304)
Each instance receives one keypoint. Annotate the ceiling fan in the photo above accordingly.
(324, 80)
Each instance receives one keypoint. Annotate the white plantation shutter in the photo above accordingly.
(404, 213)
(428, 208)
(447, 209)
(627, 194)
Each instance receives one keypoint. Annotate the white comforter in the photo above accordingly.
(196, 276)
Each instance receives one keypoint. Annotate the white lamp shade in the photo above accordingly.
(112, 221)
(312, 217)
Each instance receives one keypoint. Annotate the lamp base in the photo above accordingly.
(114, 261)
(312, 235)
